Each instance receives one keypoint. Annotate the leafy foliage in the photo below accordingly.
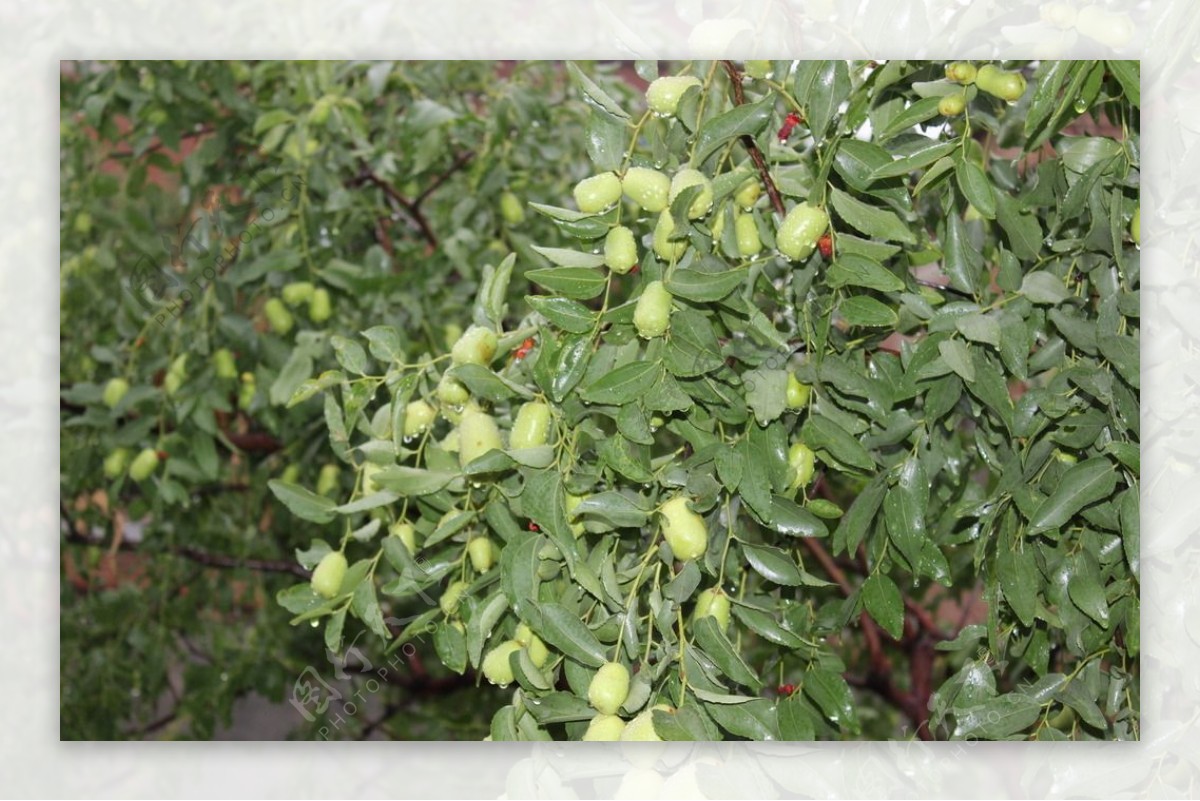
(964, 563)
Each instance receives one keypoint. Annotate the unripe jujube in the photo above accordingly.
(666, 248)
(418, 416)
(663, 94)
(327, 578)
(477, 434)
(479, 550)
(404, 531)
(114, 391)
(144, 464)
(797, 393)
(748, 241)
(620, 250)
(684, 530)
(531, 426)
(496, 667)
(688, 178)
(278, 316)
(609, 688)
(802, 460)
(652, 315)
(477, 345)
(597, 193)
(604, 728)
(648, 188)
(713, 603)
(800, 230)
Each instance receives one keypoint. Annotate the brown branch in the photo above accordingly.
(412, 207)
(210, 559)
(735, 81)
(459, 162)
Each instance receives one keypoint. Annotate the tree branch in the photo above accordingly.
(412, 207)
(210, 559)
(735, 80)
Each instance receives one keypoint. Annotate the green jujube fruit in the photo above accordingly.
(114, 391)
(278, 316)
(405, 532)
(477, 345)
(115, 462)
(224, 365)
(703, 201)
(298, 292)
(418, 416)
(320, 308)
(477, 434)
(797, 393)
(604, 728)
(800, 230)
(327, 578)
(713, 603)
(648, 188)
(952, 105)
(620, 250)
(496, 667)
(531, 426)
(448, 603)
(144, 464)
(597, 193)
(802, 460)
(652, 315)
(684, 530)
(663, 94)
(748, 241)
(609, 688)
(666, 248)
(479, 551)
(511, 209)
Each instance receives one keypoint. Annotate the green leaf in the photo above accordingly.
(384, 343)
(832, 696)
(998, 718)
(1086, 591)
(766, 393)
(821, 90)
(793, 520)
(917, 113)
(704, 287)
(1023, 229)
(882, 599)
(303, 503)
(773, 564)
(871, 220)
(563, 629)
(565, 257)
(580, 283)
(962, 264)
(486, 384)
(413, 481)
(1122, 353)
(625, 384)
(904, 509)
(822, 434)
(857, 521)
(692, 347)
(866, 311)
(926, 155)
(721, 651)
(976, 188)
(1085, 483)
(795, 723)
(1019, 580)
(853, 270)
(564, 312)
(594, 93)
(979, 327)
(607, 137)
(745, 120)
(957, 356)
(1044, 288)
(1129, 75)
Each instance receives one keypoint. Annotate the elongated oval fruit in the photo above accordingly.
(144, 464)
(604, 728)
(663, 94)
(278, 316)
(713, 603)
(666, 248)
(572, 502)
(597, 193)
(327, 479)
(176, 375)
(511, 209)
(652, 315)
(803, 461)
(1004, 85)
(531, 426)
(952, 105)
(404, 531)
(477, 434)
(641, 728)
(496, 667)
(114, 391)
(690, 177)
(298, 292)
(1135, 226)
(646, 187)
(327, 578)
(115, 462)
(748, 241)
(369, 469)
(620, 250)
(247, 391)
(538, 652)
(418, 416)
(684, 530)
(479, 550)
(448, 603)
(800, 230)
(224, 365)
(961, 72)
(797, 393)
(451, 392)
(609, 688)
(320, 308)
(748, 194)
(477, 345)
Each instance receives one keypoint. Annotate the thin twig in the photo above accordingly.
(735, 80)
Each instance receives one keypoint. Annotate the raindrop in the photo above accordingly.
(224, 676)
(314, 623)
(1080, 106)
(408, 439)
